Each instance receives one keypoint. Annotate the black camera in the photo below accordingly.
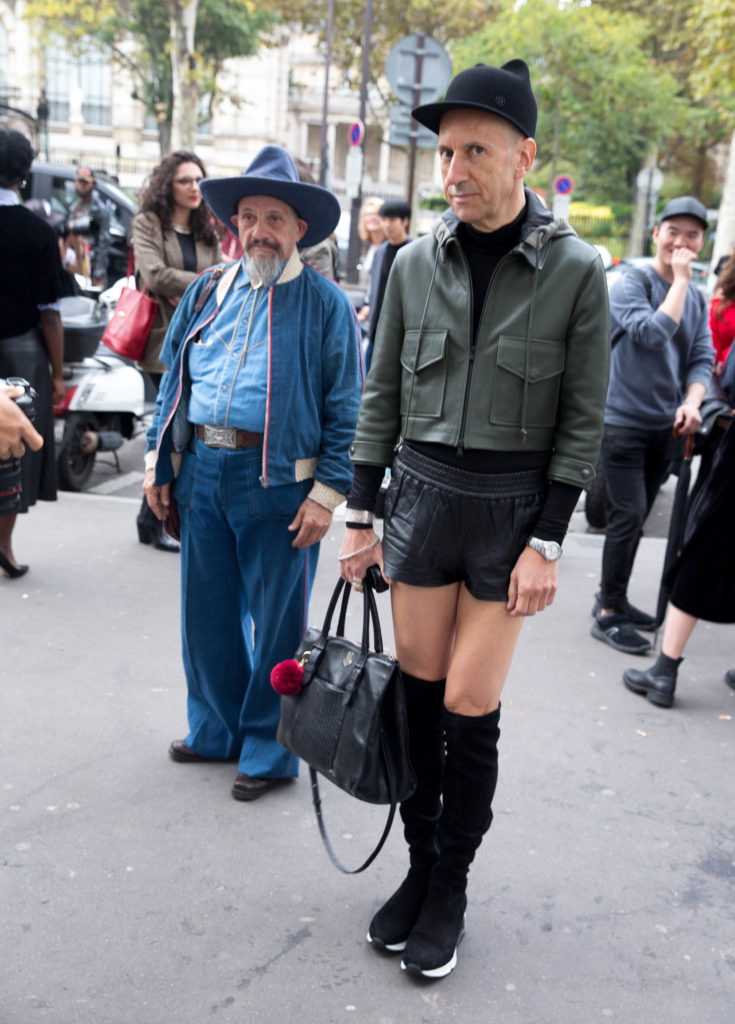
(10, 485)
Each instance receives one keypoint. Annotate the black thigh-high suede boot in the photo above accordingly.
(391, 926)
(470, 777)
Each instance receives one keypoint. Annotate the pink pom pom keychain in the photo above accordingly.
(287, 677)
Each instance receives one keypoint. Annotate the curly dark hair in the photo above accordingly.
(16, 157)
(158, 197)
(726, 287)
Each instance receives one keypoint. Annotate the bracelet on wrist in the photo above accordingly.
(359, 517)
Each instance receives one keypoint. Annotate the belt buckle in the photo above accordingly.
(220, 437)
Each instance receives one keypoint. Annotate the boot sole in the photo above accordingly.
(436, 972)
(386, 947)
(658, 699)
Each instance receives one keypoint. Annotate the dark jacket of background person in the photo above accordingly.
(159, 265)
(32, 275)
(378, 279)
(98, 232)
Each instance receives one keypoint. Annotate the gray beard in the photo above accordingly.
(264, 269)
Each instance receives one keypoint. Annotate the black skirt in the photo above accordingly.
(26, 356)
(703, 578)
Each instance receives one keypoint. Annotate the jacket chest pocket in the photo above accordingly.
(424, 377)
(540, 368)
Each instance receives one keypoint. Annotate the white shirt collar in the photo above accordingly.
(9, 197)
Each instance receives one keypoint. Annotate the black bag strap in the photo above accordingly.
(315, 796)
(369, 614)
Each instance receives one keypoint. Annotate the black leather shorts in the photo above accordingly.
(444, 525)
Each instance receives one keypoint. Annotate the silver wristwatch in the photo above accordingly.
(549, 549)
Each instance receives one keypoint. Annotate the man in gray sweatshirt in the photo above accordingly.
(661, 364)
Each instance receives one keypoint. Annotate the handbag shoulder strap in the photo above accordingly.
(315, 796)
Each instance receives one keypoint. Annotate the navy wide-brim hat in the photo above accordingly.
(273, 173)
(505, 92)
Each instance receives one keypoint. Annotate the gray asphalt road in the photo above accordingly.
(136, 891)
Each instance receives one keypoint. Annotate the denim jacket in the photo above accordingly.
(314, 380)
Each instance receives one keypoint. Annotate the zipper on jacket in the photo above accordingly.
(473, 347)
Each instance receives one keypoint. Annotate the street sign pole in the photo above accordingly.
(418, 69)
(324, 147)
(353, 250)
(413, 150)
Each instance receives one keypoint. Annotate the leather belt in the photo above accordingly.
(228, 437)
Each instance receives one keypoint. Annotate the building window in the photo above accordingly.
(89, 71)
(95, 80)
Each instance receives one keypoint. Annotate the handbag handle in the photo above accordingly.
(316, 798)
(369, 614)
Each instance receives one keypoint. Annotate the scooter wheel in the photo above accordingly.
(73, 464)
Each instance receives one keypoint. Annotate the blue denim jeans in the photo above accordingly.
(244, 599)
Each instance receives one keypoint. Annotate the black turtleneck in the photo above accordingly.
(483, 252)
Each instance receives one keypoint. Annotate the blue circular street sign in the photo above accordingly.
(563, 185)
(357, 133)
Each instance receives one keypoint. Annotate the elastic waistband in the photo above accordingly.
(459, 481)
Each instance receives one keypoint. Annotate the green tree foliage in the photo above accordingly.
(692, 39)
(601, 100)
(711, 26)
(392, 20)
(224, 29)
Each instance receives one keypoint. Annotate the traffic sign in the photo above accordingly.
(650, 179)
(357, 133)
(563, 185)
(418, 69)
(402, 129)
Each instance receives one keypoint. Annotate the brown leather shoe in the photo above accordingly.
(178, 751)
(246, 787)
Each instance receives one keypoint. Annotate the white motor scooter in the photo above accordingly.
(105, 393)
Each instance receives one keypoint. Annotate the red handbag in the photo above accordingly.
(130, 324)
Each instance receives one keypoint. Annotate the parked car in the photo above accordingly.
(56, 184)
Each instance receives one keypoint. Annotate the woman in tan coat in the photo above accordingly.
(174, 240)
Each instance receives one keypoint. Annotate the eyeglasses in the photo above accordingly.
(187, 181)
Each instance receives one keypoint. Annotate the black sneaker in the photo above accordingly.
(391, 926)
(614, 629)
(636, 617)
(730, 677)
(431, 950)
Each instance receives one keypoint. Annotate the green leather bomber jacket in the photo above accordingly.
(536, 377)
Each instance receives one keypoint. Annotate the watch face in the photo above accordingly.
(548, 548)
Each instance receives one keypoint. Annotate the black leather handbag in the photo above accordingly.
(348, 721)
